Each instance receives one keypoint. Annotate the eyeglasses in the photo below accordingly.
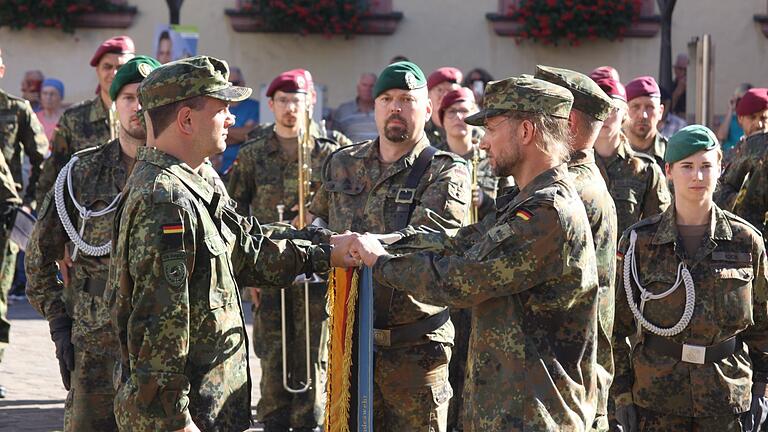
(287, 101)
(457, 113)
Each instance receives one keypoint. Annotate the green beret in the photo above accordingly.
(588, 97)
(187, 78)
(401, 75)
(523, 93)
(133, 71)
(689, 140)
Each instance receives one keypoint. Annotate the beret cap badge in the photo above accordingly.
(145, 69)
(411, 81)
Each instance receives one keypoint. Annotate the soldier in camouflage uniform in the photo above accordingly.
(752, 202)
(634, 179)
(85, 341)
(700, 356)
(644, 113)
(88, 123)
(750, 153)
(180, 251)
(439, 83)
(264, 176)
(462, 139)
(20, 133)
(528, 272)
(591, 106)
(364, 190)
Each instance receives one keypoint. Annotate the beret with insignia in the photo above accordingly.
(292, 81)
(133, 71)
(401, 75)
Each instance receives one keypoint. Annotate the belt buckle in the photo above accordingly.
(409, 193)
(694, 354)
(381, 337)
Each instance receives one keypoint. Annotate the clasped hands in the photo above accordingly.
(353, 249)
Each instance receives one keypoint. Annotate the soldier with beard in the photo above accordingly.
(367, 187)
(528, 273)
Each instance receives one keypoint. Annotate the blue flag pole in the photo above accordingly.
(365, 353)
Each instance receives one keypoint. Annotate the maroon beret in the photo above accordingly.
(642, 86)
(462, 94)
(292, 81)
(444, 74)
(116, 45)
(605, 72)
(612, 88)
(307, 76)
(753, 101)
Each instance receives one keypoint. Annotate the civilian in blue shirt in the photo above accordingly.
(246, 118)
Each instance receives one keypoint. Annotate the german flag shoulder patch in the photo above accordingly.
(173, 236)
(524, 214)
(173, 229)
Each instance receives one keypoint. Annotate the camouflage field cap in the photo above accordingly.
(588, 97)
(187, 78)
(524, 93)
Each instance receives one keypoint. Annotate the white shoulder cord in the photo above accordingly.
(630, 266)
(85, 213)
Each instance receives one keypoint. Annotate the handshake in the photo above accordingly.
(353, 249)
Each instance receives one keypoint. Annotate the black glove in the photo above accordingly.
(61, 334)
(753, 419)
(626, 415)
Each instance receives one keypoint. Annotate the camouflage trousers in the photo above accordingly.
(7, 270)
(89, 404)
(652, 421)
(462, 322)
(411, 388)
(278, 408)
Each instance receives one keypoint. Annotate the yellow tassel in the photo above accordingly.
(338, 402)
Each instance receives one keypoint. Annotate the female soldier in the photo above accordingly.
(692, 295)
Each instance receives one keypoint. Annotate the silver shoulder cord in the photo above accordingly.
(65, 176)
(630, 266)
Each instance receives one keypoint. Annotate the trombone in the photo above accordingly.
(473, 215)
(305, 177)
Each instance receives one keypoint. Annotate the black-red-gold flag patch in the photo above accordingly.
(524, 214)
(173, 235)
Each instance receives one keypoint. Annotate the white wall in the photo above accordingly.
(433, 33)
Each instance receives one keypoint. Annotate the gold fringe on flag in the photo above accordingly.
(342, 298)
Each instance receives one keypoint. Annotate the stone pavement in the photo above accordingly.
(30, 373)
